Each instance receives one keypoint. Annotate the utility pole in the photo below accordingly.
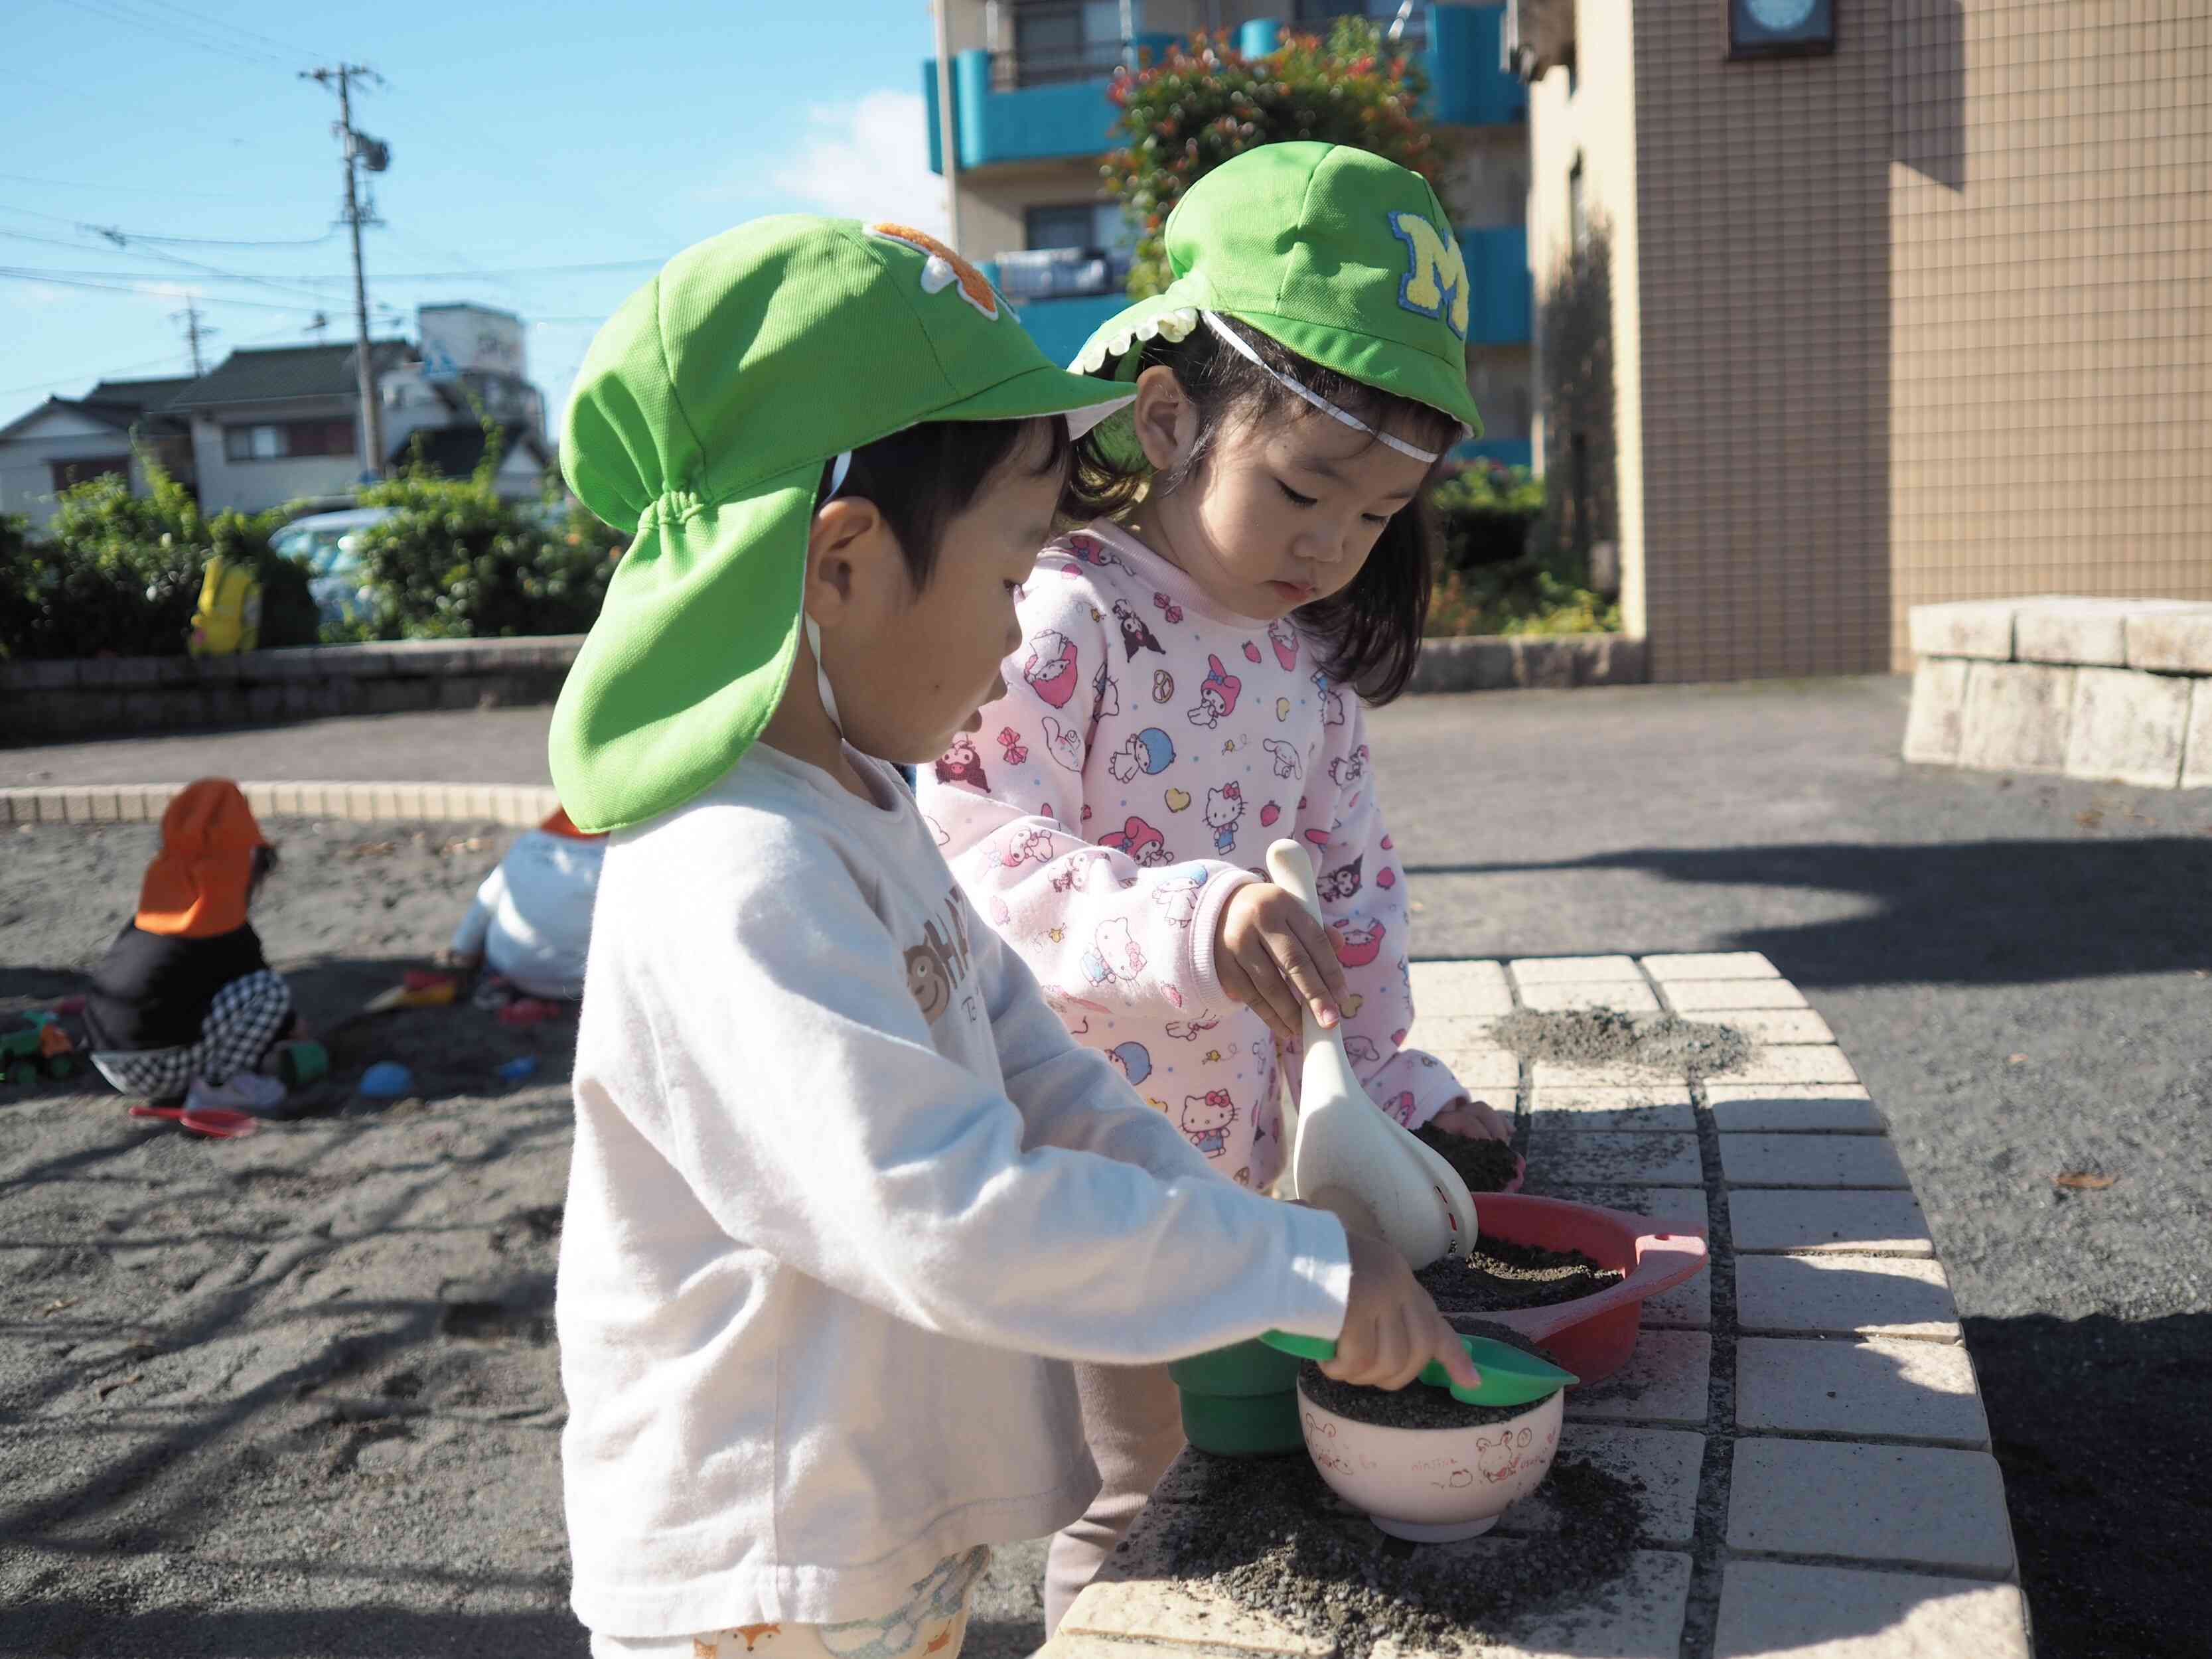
(194, 332)
(359, 151)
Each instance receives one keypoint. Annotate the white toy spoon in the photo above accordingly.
(1351, 1157)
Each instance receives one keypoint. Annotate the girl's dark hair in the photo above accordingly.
(265, 861)
(922, 479)
(1370, 633)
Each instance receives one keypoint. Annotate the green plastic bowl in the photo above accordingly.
(1241, 1401)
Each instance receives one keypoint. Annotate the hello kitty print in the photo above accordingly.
(1147, 751)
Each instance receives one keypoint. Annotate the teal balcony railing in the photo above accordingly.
(1501, 299)
(1007, 107)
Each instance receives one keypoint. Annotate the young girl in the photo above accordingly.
(845, 1198)
(1191, 686)
(184, 1006)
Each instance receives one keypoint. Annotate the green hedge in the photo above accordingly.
(118, 574)
(1501, 568)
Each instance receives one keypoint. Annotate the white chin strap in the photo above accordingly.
(837, 471)
(1237, 343)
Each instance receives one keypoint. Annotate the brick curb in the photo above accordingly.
(513, 806)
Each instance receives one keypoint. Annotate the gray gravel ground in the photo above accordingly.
(319, 1456)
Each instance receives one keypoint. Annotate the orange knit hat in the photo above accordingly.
(197, 885)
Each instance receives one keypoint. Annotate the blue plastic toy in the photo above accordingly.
(387, 1080)
(519, 1068)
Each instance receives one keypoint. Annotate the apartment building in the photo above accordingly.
(1849, 306)
(1032, 122)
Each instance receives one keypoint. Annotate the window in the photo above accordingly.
(278, 441)
(1577, 208)
(70, 474)
(1078, 224)
(1068, 40)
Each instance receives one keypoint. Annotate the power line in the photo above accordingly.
(128, 189)
(32, 275)
(105, 374)
(290, 51)
(258, 58)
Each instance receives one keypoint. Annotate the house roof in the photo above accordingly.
(272, 374)
(148, 395)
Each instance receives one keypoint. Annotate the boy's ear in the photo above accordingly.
(850, 550)
(1165, 418)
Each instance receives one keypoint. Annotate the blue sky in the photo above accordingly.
(557, 135)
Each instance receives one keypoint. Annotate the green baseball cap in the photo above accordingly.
(701, 419)
(1344, 258)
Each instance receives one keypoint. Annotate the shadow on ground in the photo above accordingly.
(1968, 913)
(2132, 1394)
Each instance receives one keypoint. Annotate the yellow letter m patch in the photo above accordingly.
(1436, 278)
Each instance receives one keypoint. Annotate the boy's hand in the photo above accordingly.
(1276, 960)
(1474, 1119)
(1392, 1330)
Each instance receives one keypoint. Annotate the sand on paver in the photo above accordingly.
(1605, 1037)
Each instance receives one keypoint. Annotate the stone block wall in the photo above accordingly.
(2117, 690)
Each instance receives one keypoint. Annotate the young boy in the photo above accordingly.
(846, 1197)
(531, 923)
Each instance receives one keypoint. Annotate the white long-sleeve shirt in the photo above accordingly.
(531, 920)
(845, 1198)
(1148, 749)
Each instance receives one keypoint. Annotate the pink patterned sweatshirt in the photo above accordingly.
(1149, 749)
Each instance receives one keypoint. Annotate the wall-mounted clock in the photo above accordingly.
(1775, 28)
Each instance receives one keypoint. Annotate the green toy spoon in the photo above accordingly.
(1509, 1376)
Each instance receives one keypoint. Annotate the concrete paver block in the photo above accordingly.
(1772, 1607)
(1181, 1611)
(2178, 642)
(1558, 1074)
(1687, 1307)
(1889, 1387)
(1462, 987)
(1639, 1613)
(1702, 996)
(1935, 719)
(1971, 628)
(1556, 970)
(1682, 1207)
(1662, 1108)
(1838, 1295)
(1780, 1026)
(1710, 964)
(2017, 717)
(2129, 726)
(1924, 1505)
(2081, 631)
(2196, 756)
(1792, 1064)
(1665, 1381)
(1853, 1223)
(1840, 1109)
(1772, 1160)
(1604, 1158)
(1665, 1461)
(1623, 996)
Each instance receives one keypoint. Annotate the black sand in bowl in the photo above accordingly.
(1417, 1406)
(1502, 1275)
(1486, 1165)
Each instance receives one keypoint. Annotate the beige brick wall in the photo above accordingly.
(2052, 308)
(1761, 391)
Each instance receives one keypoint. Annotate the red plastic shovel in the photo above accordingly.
(217, 1122)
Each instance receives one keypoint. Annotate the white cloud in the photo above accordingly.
(869, 158)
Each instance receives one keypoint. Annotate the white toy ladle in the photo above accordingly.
(1352, 1157)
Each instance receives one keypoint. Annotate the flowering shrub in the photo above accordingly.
(1197, 106)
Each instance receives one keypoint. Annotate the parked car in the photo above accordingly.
(329, 542)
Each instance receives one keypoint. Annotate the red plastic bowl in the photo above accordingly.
(1593, 1335)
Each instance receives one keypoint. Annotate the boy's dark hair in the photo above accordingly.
(922, 479)
(265, 861)
(1370, 633)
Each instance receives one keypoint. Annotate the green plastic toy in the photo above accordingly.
(1509, 1376)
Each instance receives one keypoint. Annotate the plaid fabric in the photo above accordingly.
(242, 1022)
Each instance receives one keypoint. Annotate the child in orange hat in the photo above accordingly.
(183, 1005)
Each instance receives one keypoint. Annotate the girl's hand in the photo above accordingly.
(1392, 1330)
(1474, 1119)
(1277, 960)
